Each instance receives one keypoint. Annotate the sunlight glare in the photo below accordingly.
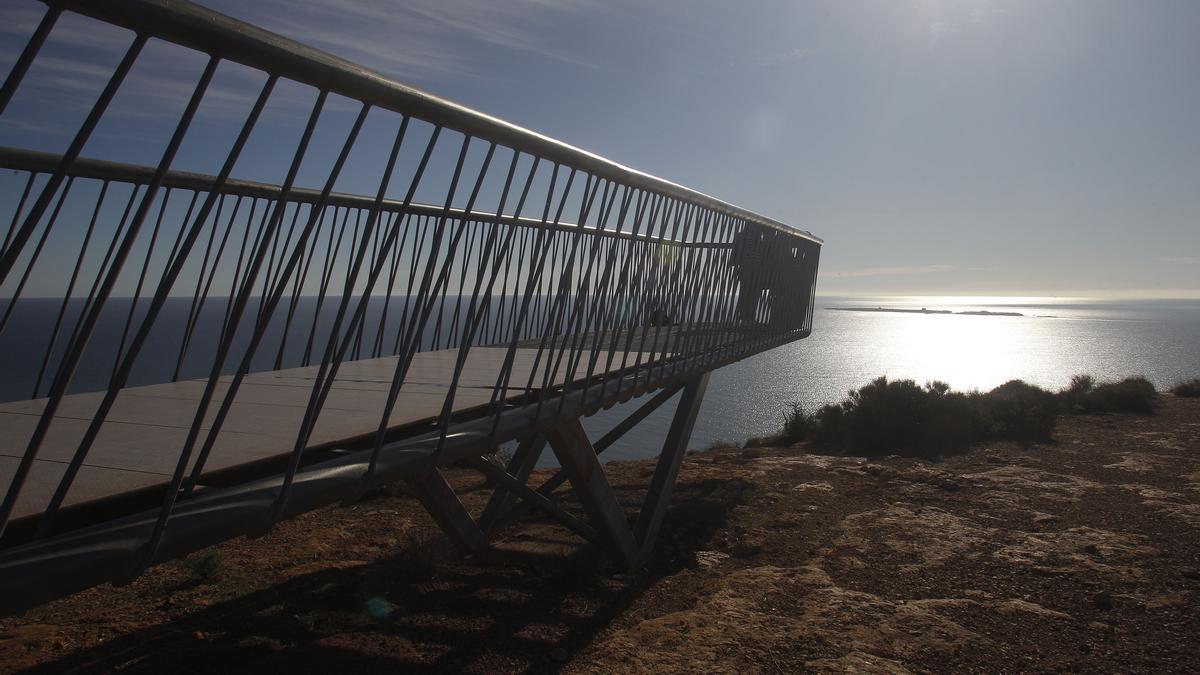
(969, 351)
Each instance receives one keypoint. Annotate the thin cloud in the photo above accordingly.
(73, 83)
(420, 38)
(1181, 260)
(80, 32)
(889, 271)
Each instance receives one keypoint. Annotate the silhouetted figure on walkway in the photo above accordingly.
(792, 263)
(769, 262)
(749, 262)
(662, 262)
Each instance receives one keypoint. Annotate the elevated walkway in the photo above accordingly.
(195, 356)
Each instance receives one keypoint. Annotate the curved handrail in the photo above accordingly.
(203, 29)
(36, 161)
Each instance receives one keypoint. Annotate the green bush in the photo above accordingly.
(1131, 395)
(1072, 397)
(829, 425)
(797, 426)
(886, 416)
(1190, 388)
(901, 417)
(416, 556)
(1017, 411)
(207, 567)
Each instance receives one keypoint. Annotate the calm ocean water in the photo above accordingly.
(1052, 341)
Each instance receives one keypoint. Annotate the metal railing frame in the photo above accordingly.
(673, 250)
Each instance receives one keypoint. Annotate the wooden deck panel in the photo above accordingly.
(138, 445)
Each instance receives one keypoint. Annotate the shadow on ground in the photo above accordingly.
(532, 602)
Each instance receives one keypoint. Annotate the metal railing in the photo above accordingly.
(591, 282)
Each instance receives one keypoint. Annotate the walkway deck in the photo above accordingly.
(138, 445)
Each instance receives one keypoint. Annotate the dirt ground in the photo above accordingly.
(1080, 555)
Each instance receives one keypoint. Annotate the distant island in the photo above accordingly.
(978, 312)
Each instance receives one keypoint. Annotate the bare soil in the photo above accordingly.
(1081, 555)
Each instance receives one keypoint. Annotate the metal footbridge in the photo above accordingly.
(188, 356)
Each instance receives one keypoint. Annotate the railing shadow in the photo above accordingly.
(524, 606)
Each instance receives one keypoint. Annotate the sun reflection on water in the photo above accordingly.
(969, 351)
(1053, 339)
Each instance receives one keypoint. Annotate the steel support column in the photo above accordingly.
(654, 508)
(579, 461)
(438, 498)
(519, 467)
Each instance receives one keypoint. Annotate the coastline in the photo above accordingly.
(1073, 555)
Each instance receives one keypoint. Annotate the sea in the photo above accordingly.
(1043, 341)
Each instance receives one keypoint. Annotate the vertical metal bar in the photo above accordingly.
(194, 311)
(298, 287)
(37, 252)
(12, 226)
(377, 349)
(243, 299)
(182, 229)
(9, 257)
(87, 237)
(137, 292)
(27, 55)
(623, 292)
(331, 253)
(206, 284)
(550, 339)
(597, 322)
(418, 323)
(416, 317)
(235, 283)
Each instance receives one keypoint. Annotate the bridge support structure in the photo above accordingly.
(631, 544)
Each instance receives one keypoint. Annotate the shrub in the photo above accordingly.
(1072, 396)
(797, 425)
(829, 426)
(1190, 388)
(416, 556)
(901, 417)
(1131, 395)
(885, 416)
(207, 567)
(1017, 411)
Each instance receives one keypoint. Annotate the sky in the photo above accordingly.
(944, 147)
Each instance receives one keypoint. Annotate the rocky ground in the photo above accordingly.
(1080, 555)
